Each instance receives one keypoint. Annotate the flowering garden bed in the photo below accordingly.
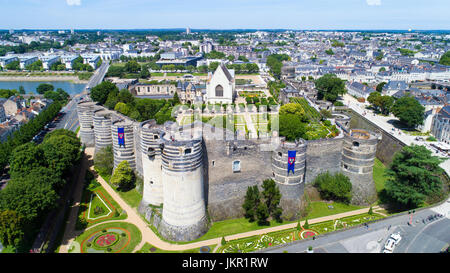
(118, 237)
(255, 243)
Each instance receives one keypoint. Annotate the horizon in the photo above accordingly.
(234, 14)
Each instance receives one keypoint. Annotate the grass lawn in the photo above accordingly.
(234, 226)
(320, 209)
(378, 175)
(132, 197)
(136, 235)
(147, 249)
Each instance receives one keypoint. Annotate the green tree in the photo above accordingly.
(44, 87)
(122, 108)
(100, 92)
(330, 87)
(11, 228)
(25, 158)
(132, 67)
(380, 86)
(13, 65)
(413, 176)
(272, 198)
(409, 111)
(262, 213)
(213, 66)
(335, 187)
(445, 59)
(145, 74)
(243, 58)
(123, 178)
(251, 202)
(292, 127)
(21, 90)
(294, 109)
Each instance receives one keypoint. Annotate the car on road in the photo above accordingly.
(396, 237)
(389, 246)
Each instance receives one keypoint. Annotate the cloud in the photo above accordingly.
(73, 2)
(373, 2)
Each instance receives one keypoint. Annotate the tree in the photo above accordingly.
(445, 59)
(251, 203)
(291, 126)
(132, 67)
(335, 187)
(262, 213)
(330, 87)
(145, 74)
(272, 198)
(329, 51)
(306, 225)
(243, 58)
(213, 66)
(122, 108)
(21, 90)
(294, 109)
(380, 86)
(413, 176)
(100, 92)
(13, 65)
(123, 178)
(11, 228)
(231, 58)
(25, 158)
(44, 87)
(409, 111)
(176, 99)
(61, 151)
(223, 242)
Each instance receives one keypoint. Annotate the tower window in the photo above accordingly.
(213, 162)
(187, 151)
(355, 143)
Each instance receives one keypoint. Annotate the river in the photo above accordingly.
(30, 86)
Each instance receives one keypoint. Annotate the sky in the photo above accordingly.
(226, 14)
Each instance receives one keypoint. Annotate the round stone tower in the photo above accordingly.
(123, 151)
(151, 140)
(85, 111)
(184, 212)
(290, 177)
(358, 156)
(102, 128)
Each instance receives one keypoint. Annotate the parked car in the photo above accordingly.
(396, 237)
(390, 245)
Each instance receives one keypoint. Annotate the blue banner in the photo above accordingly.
(291, 161)
(121, 135)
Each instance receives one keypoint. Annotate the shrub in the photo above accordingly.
(223, 241)
(335, 187)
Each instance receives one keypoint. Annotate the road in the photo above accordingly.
(70, 120)
(430, 236)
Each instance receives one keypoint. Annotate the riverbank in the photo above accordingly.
(73, 79)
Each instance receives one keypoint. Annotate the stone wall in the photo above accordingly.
(226, 189)
(323, 155)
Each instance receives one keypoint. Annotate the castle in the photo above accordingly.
(199, 173)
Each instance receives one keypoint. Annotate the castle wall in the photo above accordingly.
(323, 155)
(226, 189)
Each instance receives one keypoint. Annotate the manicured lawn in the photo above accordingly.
(320, 209)
(234, 226)
(132, 197)
(378, 175)
(130, 242)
